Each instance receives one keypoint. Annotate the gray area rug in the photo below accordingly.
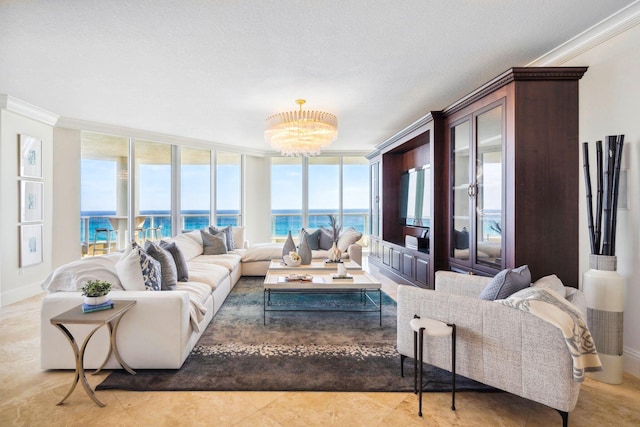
(295, 351)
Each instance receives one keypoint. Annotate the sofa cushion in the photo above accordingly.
(551, 283)
(347, 238)
(213, 244)
(228, 234)
(168, 270)
(506, 283)
(189, 243)
(138, 271)
(182, 271)
(198, 291)
(209, 274)
(229, 260)
(326, 239)
(313, 238)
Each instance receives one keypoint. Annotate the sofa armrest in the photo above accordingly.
(153, 334)
(576, 297)
(355, 253)
(469, 285)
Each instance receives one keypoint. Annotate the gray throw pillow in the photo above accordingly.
(228, 234)
(178, 257)
(168, 270)
(213, 244)
(507, 282)
(313, 239)
(326, 239)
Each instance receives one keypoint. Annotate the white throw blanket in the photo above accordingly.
(552, 308)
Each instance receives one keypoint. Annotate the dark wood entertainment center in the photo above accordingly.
(504, 170)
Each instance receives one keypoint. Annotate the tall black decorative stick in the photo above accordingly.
(587, 185)
(598, 225)
(616, 185)
(608, 171)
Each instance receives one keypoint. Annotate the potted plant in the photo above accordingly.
(95, 292)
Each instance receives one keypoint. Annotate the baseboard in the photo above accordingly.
(23, 292)
(631, 361)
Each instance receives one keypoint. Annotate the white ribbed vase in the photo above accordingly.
(603, 289)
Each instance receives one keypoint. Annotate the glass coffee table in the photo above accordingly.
(283, 282)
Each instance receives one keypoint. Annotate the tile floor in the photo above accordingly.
(28, 397)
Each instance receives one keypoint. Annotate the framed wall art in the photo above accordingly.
(31, 204)
(31, 249)
(30, 156)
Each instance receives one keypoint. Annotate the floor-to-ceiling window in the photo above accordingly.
(152, 203)
(305, 191)
(103, 192)
(286, 196)
(195, 188)
(228, 188)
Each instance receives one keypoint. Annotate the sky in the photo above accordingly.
(99, 187)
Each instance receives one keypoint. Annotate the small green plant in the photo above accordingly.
(96, 288)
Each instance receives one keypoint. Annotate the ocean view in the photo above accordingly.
(281, 221)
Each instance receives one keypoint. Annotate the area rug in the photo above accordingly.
(294, 351)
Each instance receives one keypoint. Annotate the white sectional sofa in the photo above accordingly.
(163, 327)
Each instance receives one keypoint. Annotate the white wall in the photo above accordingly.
(609, 105)
(66, 204)
(257, 198)
(18, 283)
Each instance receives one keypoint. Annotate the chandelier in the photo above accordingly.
(301, 133)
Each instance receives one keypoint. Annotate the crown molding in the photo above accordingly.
(615, 24)
(84, 125)
(30, 111)
(415, 127)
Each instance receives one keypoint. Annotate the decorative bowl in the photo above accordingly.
(290, 262)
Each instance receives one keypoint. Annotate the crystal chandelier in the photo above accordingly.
(301, 133)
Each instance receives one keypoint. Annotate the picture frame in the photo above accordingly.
(31, 201)
(30, 156)
(31, 245)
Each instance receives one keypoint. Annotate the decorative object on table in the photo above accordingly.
(96, 296)
(289, 245)
(334, 254)
(31, 246)
(304, 251)
(603, 287)
(301, 133)
(293, 259)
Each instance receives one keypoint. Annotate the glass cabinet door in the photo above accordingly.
(461, 148)
(488, 188)
(375, 199)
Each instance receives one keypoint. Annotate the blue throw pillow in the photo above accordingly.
(151, 270)
(313, 239)
(507, 282)
(326, 239)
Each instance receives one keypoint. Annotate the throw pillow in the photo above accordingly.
(228, 234)
(168, 270)
(347, 238)
(461, 238)
(178, 257)
(553, 283)
(506, 283)
(313, 239)
(213, 244)
(326, 239)
(138, 271)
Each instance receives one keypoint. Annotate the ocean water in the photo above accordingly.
(281, 221)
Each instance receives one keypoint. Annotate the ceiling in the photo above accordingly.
(215, 70)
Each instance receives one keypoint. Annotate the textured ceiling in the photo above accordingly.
(214, 70)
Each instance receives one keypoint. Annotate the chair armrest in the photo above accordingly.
(355, 253)
(469, 285)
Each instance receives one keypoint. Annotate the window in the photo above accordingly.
(153, 190)
(195, 188)
(305, 191)
(228, 188)
(103, 192)
(286, 196)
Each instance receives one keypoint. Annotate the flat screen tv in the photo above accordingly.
(415, 197)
